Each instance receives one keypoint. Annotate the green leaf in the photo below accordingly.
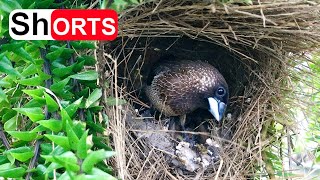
(58, 64)
(35, 93)
(59, 86)
(72, 108)
(100, 142)
(67, 175)
(53, 166)
(9, 5)
(44, 76)
(40, 172)
(46, 148)
(24, 135)
(11, 172)
(51, 103)
(247, 2)
(3, 96)
(79, 128)
(62, 72)
(111, 101)
(39, 129)
(119, 5)
(84, 92)
(13, 45)
(8, 114)
(62, 4)
(58, 150)
(22, 153)
(23, 157)
(33, 50)
(78, 67)
(82, 45)
(278, 126)
(72, 137)
(65, 118)
(66, 54)
(55, 54)
(82, 146)
(17, 48)
(86, 75)
(30, 70)
(96, 107)
(99, 173)
(36, 102)
(93, 97)
(67, 160)
(317, 159)
(96, 174)
(105, 120)
(60, 140)
(34, 81)
(44, 4)
(35, 114)
(65, 50)
(6, 66)
(11, 159)
(88, 60)
(5, 84)
(52, 124)
(3, 159)
(39, 43)
(94, 157)
(19, 150)
(4, 104)
(95, 127)
(23, 54)
(11, 124)
(285, 175)
(271, 155)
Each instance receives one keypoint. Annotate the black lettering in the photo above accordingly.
(35, 24)
(21, 23)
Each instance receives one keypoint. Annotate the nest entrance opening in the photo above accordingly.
(136, 58)
(139, 55)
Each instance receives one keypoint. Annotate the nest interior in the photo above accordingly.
(254, 47)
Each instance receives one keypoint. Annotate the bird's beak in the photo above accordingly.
(216, 108)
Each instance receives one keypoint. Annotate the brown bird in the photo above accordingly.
(177, 88)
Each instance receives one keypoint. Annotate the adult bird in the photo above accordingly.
(176, 88)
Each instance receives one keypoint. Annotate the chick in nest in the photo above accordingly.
(176, 88)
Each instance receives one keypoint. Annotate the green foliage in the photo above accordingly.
(43, 116)
(314, 123)
(120, 5)
(305, 139)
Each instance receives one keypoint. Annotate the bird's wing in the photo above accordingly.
(175, 94)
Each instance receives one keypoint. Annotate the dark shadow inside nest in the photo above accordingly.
(138, 55)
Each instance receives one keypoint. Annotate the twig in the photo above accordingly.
(75, 84)
(219, 169)
(48, 83)
(4, 138)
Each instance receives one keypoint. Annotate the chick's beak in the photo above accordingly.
(216, 108)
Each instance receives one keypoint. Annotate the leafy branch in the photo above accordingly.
(49, 101)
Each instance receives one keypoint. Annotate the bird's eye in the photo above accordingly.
(221, 91)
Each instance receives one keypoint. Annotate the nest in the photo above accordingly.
(258, 49)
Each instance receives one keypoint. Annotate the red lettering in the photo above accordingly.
(84, 24)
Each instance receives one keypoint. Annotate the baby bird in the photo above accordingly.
(176, 88)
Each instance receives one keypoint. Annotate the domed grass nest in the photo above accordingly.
(258, 48)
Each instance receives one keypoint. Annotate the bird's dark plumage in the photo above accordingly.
(176, 88)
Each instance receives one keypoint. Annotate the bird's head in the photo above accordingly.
(218, 101)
